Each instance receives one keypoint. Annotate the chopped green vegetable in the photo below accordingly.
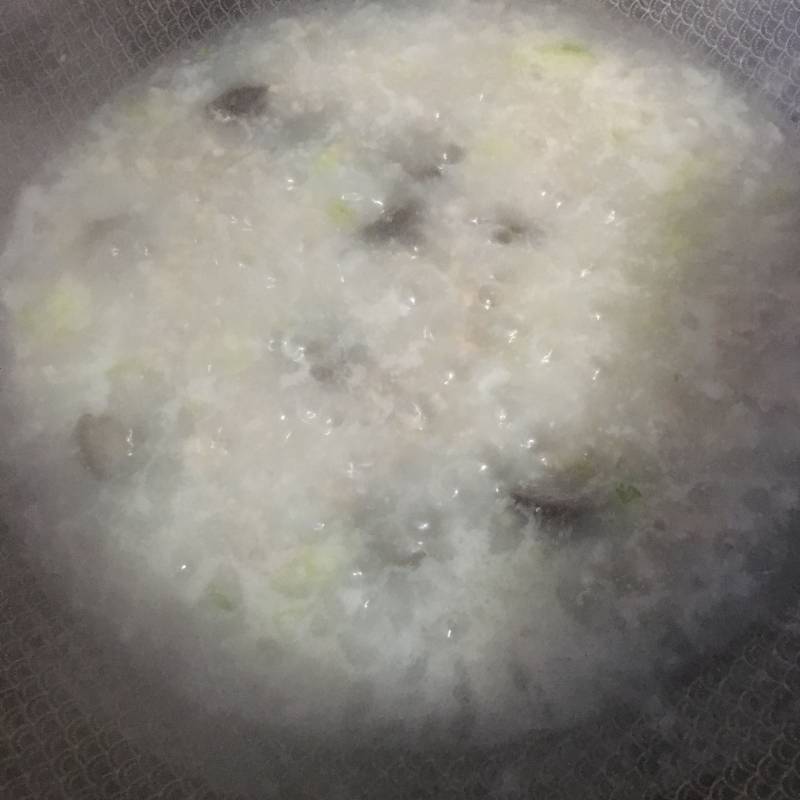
(329, 159)
(496, 148)
(581, 470)
(66, 308)
(156, 105)
(689, 175)
(627, 493)
(137, 110)
(235, 353)
(127, 368)
(224, 590)
(220, 599)
(288, 618)
(342, 214)
(555, 56)
(568, 48)
(312, 569)
(685, 224)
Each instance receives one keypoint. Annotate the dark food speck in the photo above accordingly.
(239, 102)
(548, 509)
(434, 166)
(511, 228)
(105, 445)
(425, 155)
(397, 223)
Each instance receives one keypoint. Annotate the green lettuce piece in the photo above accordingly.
(685, 224)
(329, 159)
(568, 49)
(312, 569)
(65, 308)
(560, 56)
(341, 213)
(627, 493)
(235, 353)
(220, 598)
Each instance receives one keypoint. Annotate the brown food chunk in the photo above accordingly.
(410, 560)
(239, 102)
(105, 445)
(511, 227)
(549, 509)
(510, 231)
(432, 165)
(506, 234)
(397, 223)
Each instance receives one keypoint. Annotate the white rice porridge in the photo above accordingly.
(443, 357)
